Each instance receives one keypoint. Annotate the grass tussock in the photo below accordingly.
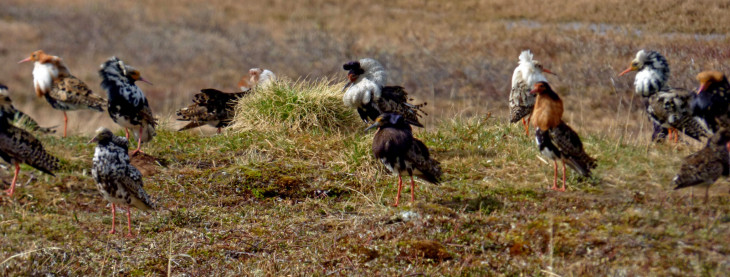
(298, 106)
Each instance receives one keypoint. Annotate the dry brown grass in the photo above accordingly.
(274, 202)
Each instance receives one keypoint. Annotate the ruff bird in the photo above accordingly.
(257, 77)
(668, 108)
(395, 146)
(128, 105)
(713, 98)
(53, 81)
(211, 107)
(21, 119)
(119, 182)
(366, 91)
(555, 139)
(704, 167)
(521, 102)
(18, 146)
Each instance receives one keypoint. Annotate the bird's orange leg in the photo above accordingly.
(219, 130)
(129, 222)
(527, 126)
(555, 177)
(139, 142)
(676, 136)
(413, 189)
(400, 186)
(114, 218)
(126, 133)
(15, 179)
(65, 123)
(563, 188)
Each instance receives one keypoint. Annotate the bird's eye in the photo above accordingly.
(635, 64)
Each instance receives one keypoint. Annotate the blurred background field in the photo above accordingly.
(458, 56)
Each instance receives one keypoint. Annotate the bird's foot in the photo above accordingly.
(554, 188)
(135, 152)
(129, 235)
(112, 232)
(395, 205)
(561, 189)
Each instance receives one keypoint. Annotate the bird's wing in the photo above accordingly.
(429, 169)
(571, 148)
(73, 91)
(24, 147)
(132, 182)
(521, 102)
(394, 99)
(675, 104)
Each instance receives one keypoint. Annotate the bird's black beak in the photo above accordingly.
(347, 86)
(375, 125)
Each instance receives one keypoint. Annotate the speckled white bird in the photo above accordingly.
(366, 92)
(668, 108)
(521, 102)
(65, 92)
(118, 181)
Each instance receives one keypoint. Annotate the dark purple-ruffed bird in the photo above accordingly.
(395, 146)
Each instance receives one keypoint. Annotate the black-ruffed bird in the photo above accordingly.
(521, 102)
(128, 105)
(555, 139)
(713, 99)
(366, 91)
(704, 167)
(118, 181)
(395, 146)
(211, 107)
(668, 108)
(19, 118)
(65, 92)
(18, 146)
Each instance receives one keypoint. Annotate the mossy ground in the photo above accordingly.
(311, 200)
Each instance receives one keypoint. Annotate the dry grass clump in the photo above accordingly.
(298, 106)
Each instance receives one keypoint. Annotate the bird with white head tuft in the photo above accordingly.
(521, 102)
(668, 108)
(366, 91)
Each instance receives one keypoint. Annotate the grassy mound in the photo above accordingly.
(300, 106)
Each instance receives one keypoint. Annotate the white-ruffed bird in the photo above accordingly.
(521, 102)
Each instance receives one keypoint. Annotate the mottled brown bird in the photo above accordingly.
(395, 146)
(18, 146)
(704, 167)
(65, 92)
(555, 139)
(211, 107)
(118, 181)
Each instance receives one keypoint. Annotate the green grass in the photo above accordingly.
(289, 192)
